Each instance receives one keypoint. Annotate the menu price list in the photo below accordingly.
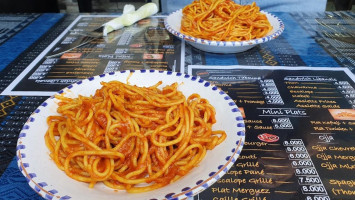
(305, 172)
(298, 146)
(144, 45)
(270, 171)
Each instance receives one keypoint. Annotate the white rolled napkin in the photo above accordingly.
(130, 16)
(128, 8)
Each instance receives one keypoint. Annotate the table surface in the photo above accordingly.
(310, 39)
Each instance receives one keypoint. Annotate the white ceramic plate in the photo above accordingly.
(52, 183)
(173, 24)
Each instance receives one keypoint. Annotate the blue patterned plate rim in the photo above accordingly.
(177, 15)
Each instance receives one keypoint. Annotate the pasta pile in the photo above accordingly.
(131, 138)
(224, 20)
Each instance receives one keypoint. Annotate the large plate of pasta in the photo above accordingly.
(223, 26)
(139, 134)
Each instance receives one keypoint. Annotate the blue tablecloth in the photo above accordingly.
(303, 43)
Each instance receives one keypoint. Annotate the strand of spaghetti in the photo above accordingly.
(132, 114)
(63, 133)
(170, 123)
(221, 26)
(137, 172)
(171, 142)
(164, 168)
(222, 137)
(196, 159)
(108, 154)
(82, 117)
(96, 174)
(51, 131)
(128, 136)
(144, 153)
(110, 184)
(84, 140)
(187, 133)
(135, 153)
(116, 100)
(149, 98)
(172, 133)
(105, 119)
(89, 128)
(56, 156)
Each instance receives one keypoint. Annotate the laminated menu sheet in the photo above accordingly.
(300, 132)
(144, 45)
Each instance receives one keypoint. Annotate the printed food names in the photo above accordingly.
(251, 92)
(144, 45)
(340, 126)
(55, 70)
(299, 145)
(319, 92)
(257, 176)
(336, 159)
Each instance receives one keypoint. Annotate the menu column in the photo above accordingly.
(305, 172)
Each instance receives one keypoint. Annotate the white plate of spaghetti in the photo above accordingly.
(141, 134)
(223, 26)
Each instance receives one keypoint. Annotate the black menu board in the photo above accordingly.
(300, 128)
(144, 45)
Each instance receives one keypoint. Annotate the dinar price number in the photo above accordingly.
(293, 156)
(274, 101)
(270, 92)
(302, 163)
(293, 142)
(317, 198)
(276, 97)
(309, 180)
(296, 149)
(284, 126)
(312, 189)
(306, 171)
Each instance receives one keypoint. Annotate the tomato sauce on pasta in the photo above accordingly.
(131, 138)
(224, 20)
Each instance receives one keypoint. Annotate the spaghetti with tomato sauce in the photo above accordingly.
(224, 20)
(131, 138)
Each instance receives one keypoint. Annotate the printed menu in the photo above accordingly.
(300, 131)
(144, 45)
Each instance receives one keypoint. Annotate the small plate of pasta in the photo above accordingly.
(134, 134)
(223, 26)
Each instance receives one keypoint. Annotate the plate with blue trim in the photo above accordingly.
(50, 182)
(173, 23)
